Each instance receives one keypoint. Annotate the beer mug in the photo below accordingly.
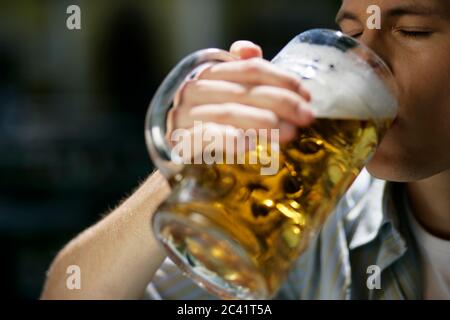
(237, 232)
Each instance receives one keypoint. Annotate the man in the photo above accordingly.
(402, 227)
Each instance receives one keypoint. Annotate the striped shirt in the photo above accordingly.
(368, 228)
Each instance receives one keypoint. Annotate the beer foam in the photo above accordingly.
(342, 85)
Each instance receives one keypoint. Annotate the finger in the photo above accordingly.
(255, 72)
(245, 50)
(242, 117)
(287, 105)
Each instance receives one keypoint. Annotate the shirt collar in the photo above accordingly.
(383, 219)
(391, 232)
(377, 217)
(366, 217)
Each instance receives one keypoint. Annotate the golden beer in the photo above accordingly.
(255, 226)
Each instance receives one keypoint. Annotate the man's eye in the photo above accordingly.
(415, 34)
(353, 34)
(356, 35)
(352, 31)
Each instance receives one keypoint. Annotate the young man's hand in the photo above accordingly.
(247, 93)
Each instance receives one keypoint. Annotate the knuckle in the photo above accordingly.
(200, 85)
(180, 117)
(227, 112)
(292, 82)
(269, 120)
(187, 89)
(206, 72)
(180, 111)
(240, 93)
(288, 101)
(192, 91)
(253, 66)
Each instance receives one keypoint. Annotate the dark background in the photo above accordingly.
(72, 106)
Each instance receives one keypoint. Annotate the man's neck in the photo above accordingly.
(430, 203)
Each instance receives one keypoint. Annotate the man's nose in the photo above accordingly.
(374, 40)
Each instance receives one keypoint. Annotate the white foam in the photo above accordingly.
(342, 86)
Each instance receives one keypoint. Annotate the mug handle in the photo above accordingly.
(156, 118)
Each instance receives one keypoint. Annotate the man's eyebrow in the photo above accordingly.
(345, 15)
(413, 9)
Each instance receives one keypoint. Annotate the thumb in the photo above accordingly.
(245, 50)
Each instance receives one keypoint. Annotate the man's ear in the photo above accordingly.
(246, 50)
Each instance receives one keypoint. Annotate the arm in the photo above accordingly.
(118, 256)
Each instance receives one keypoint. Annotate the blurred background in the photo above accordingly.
(72, 106)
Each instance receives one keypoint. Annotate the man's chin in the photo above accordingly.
(397, 168)
(385, 167)
(381, 172)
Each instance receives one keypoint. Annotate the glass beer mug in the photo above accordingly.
(237, 232)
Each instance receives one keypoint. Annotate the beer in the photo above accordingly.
(237, 232)
(270, 217)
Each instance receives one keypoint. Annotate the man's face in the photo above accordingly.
(414, 41)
